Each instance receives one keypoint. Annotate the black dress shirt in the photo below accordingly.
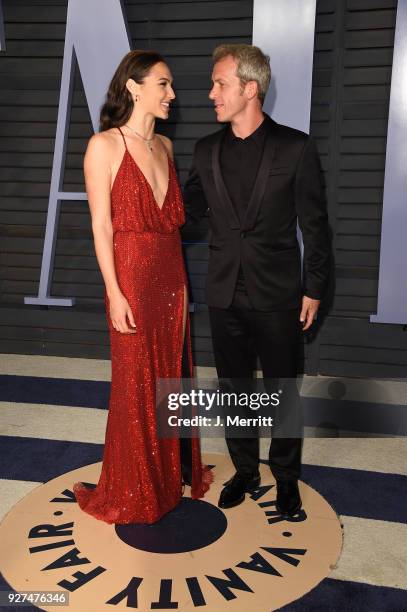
(239, 160)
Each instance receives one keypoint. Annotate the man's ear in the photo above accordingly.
(251, 89)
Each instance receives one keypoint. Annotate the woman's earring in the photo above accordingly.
(135, 98)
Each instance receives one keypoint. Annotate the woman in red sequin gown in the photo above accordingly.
(136, 215)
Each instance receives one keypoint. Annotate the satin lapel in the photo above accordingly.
(260, 183)
(221, 187)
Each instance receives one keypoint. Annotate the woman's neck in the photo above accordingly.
(143, 124)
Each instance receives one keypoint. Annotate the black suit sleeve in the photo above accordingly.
(194, 198)
(313, 221)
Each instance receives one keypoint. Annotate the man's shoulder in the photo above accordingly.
(290, 134)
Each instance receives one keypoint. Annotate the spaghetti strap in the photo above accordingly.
(124, 140)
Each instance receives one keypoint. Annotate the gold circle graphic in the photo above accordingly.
(260, 563)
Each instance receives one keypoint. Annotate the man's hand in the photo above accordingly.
(308, 311)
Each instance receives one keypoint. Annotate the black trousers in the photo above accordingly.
(239, 333)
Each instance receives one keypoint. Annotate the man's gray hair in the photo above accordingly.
(252, 65)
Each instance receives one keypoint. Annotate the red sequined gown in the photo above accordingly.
(141, 473)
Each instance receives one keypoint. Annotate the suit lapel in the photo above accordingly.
(261, 181)
(221, 187)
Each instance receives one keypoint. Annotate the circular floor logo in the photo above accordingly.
(197, 556)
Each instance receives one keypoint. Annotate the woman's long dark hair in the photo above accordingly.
(119, 104)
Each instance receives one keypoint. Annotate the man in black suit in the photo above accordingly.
(257, 178)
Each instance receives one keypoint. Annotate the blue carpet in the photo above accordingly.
(352, 492)
(56, 391)
(338, 414)
(371, 495)
(41, 460)
(338, 596)
(359, 493)
(365, 417)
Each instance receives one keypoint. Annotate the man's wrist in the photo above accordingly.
(310, 297)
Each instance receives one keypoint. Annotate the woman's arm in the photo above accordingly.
(97, 167)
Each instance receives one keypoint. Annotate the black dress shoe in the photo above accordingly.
(252, 482)
(288, 498)
(235, 489)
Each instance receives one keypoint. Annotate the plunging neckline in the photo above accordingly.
(145, 178)
(148, 184)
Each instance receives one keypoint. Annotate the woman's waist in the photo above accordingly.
(145, 243)
(145, 235)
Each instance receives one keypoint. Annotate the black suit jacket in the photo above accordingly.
(288, 186)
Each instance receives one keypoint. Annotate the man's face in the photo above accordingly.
(226, 92)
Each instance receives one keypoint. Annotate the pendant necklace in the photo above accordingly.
(148, 141)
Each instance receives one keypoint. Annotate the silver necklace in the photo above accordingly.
(148, 141)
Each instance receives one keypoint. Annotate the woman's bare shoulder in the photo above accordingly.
(105, 138)
(104, 143)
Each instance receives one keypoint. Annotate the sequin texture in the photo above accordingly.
(141, 476)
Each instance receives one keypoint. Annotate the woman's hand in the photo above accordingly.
(120, 311)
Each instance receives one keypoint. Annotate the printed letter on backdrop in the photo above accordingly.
(392, 296)
(97, 39)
